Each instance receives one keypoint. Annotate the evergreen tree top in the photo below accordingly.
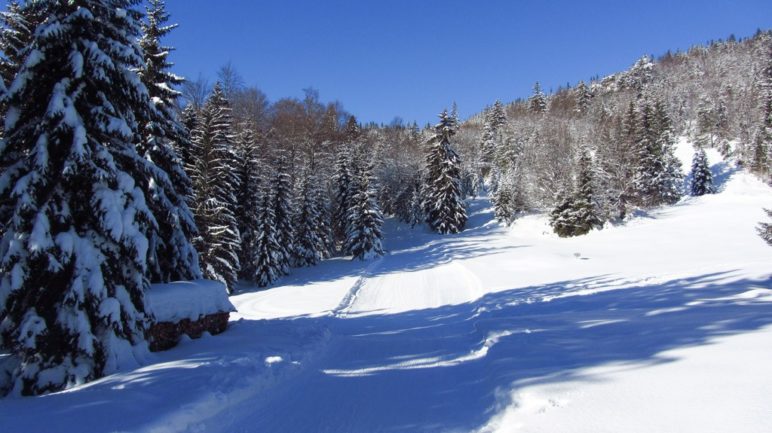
(447, 126)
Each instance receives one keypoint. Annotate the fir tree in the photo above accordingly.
(172, 255)
(74, 265)
(283, 213)
(671, 181)
(577, 214)
(582, 97)
(309, 246)
(324, 226)
(215, 184)
(537, 103)
(342, 202)
(364, 235)
(701, 178)
(16, 35)
(353, 131)
(443, 206)
(247, 206)
(495, 119)
(189, 120)
(657, 172)
(268, 258)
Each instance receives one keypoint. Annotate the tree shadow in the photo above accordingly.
(442, 369)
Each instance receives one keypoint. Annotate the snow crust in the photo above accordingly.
(187, 300)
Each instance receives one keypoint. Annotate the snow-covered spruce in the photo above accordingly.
(495, 119)
(16, 27)
(578, 213)
(247, 199)
(283, 213)
(364, 235)
(657, 175)
(73, 258)
(268, 255)
(342, 201)
(310, 246)
(172, 254)
(701, 178)
(215, 184)
(582, 97)
(443, 205)
(537, 103)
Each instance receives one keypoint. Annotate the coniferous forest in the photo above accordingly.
(116, 173)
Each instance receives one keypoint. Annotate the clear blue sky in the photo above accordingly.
(411, 58)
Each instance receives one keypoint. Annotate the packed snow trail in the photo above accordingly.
(662, 324)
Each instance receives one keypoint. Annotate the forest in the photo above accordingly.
(116, 173)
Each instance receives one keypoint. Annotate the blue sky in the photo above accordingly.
(411, 58)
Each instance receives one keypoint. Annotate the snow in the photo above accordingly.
(661, 324)
(179, 300)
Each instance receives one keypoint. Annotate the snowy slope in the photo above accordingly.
(663, 324)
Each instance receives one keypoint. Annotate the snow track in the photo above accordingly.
(350, 298)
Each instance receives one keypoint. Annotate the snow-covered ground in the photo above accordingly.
(663, 324)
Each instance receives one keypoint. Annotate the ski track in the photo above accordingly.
(351, 296)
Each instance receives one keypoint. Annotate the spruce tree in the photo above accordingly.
(16, 35)
(309, 246)
(648, 162)
(268, 253)
(247, 200)
(537, 103)
(283, 212)
(495, 119)
(74, 257)
(671, 181)
(364, 235)
(324, 222)
(17, 25)
(657, 175)
(443, 205)
(701, 178)
(172, 255)
(342, 202)
(215, 184)
(582, 97)
(189, 120)
(578, 213)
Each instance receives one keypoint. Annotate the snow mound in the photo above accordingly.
(180, 300)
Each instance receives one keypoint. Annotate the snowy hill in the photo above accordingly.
(663, 324)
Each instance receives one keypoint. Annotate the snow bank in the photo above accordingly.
(191, 300)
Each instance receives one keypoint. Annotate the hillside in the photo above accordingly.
(660, 324)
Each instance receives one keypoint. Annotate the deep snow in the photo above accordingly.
(663, 324)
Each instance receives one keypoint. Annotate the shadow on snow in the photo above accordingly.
(442, 369)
